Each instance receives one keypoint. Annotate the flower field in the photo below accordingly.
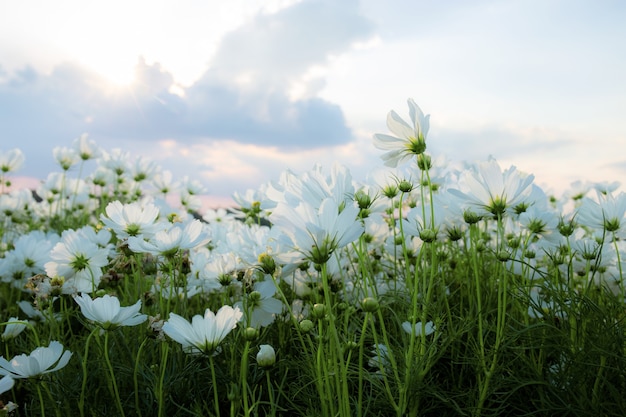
(423, 289)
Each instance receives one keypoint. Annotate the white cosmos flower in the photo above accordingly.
(66, 157)
(317, 233)
(168, 242)
(30, 253)
(107, 312)
(410, 139)
(131, 219)
(11, 161)
(13, 327)
(608, 213)
(493, 191)
(262, 307)
(204, 333)
(86, 148)
(79, 261)
(41, 361)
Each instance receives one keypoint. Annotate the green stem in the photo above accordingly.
(135, 379)
(116, 392)
(81, 401)
(216, 398)
(243, 376)
(41, 403)
(164, 354)
(270, 392)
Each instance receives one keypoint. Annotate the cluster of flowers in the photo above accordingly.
(130, 208)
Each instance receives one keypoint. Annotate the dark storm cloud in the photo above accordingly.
(273, 51)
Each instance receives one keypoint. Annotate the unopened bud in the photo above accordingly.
(306, 325)
(319, 311)
(266, 356)
(370, 304)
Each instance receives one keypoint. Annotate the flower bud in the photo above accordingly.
(266, 263)
(503, 256)
(405, 186)
(369, 304)
(319, 311)
(363, 199)
(470, 217)
(428, 235)
(250, 334)
(306, 325)
(424, 162)
(266, 356)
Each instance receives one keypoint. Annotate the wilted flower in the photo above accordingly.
(266, 356)
(107, 312)
(203, 334)
(41, 361)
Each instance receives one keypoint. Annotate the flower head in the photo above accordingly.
(204, 333)
(41, 361)
(169, 242)
(608, 214)
(131, 219)
(66, 157)
(14, 327)
(493, 191)
(86, 148)
(317, 233)
(78, 261)
(107, 312)
(11, 161)
(261, 305)
(410, 140)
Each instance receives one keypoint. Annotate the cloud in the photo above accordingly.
(244, 96)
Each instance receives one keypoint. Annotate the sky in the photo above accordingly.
(233, 92)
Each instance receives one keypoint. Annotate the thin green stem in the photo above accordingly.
(216, 398)
(116, 392)
(81, 401)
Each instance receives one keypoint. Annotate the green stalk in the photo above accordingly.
(216, 399)
(164, 354)
(243, 377)
(135, 380)
(41, 403)
(81, 401)
(359, 404)
(116, 392)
